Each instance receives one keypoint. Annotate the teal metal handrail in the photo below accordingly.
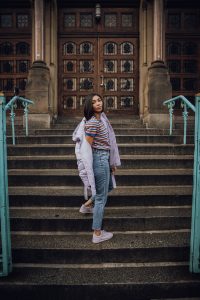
(185, 103)
(195, 223)
(5, 241)
(12, 105)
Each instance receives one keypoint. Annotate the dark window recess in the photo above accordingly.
(174, 66)
(127, 66)
(127, 102)
(127, 48)
(70, 66)
(189, 48)
(174, 49)
(190, 66)
(22, 49)
(69, 84)
(110, 66)
(176, 84)
(110, 85)
(6, 49)
(69, 20)
(189, 84)
(6, 21)
(110, 102)
(174, 21)
(70, 48)
(23, 21)
(70, 102)
(110, 48)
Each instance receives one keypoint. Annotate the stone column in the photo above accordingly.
(159, 86)
(37, 87)
(39, 29)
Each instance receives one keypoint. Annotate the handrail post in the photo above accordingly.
(195, 224)
(26, 117)
(171, 110)
(185, 117)
(12, 117)
(6, 259)
(186, 104)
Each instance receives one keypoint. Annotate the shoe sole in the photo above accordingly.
(88, 212)
(102, 240)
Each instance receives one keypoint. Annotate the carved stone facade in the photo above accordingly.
(164, 61)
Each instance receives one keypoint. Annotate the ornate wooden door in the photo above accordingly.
(108, 66)
(98, 54)
(118, 73)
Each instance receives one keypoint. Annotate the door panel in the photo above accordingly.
(78, 72)
(108, 66)
(98, 55)
(118, 72)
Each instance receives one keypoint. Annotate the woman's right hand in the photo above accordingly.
(89, 139)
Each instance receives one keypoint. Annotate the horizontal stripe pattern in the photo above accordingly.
(96, 129)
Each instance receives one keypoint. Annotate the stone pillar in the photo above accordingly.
(159, 86)
(39, 29)
(37, 87)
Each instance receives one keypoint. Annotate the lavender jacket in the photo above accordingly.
(83, 151)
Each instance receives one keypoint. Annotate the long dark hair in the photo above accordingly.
(88, 108)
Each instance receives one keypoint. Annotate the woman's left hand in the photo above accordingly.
(113, 169)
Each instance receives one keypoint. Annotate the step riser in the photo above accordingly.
(131, 131)
(114, 125)
(22, 151)
(82, 256)
(120, 139)
(126, 164)
(76, 201)
(144, 291)
(117, 224)
(134, 180)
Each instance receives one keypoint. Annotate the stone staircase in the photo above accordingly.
(149, 213)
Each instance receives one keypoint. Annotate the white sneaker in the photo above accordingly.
(104, 236)
(86, 210)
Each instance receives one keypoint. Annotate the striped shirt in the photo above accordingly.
(96, 129)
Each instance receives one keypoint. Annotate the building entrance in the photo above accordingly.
(98, 56)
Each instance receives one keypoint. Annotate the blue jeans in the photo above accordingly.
(103, 182)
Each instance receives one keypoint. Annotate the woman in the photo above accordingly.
(100, 136)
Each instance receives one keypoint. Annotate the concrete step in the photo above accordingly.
(101, 281)
(65, 149)
(117, 129)
(115, 124)
(127, 161)
(119, 118)
(119, 191)
(20, 198)
(131, 246)
(116, 218)
(134, 177)
(63, 139)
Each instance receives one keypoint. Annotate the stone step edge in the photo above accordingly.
(74, 172)
(86, 233)
(130, 157)
(102, 265)
(83, 243)
(120, 135)
(68, 145)
(119, 191)
(58, 214)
